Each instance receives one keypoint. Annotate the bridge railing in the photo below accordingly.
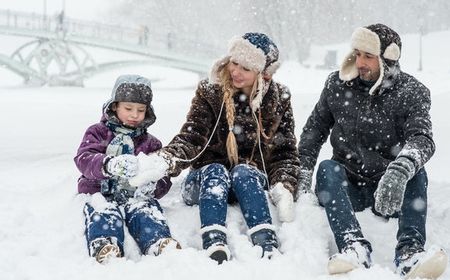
(136, 36)
(23, 20)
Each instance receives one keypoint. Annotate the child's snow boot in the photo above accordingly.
(215, 243)
(422, 264)
(354, 256)
(265, 237)
(103, 249)
(163, 245)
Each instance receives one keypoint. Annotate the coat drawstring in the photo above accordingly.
(258, 139)
(209, 140)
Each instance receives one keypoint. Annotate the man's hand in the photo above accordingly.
(305, 181)
(391, 188)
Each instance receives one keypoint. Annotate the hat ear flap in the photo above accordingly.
(216, 68)
(392, 52)
(348, 70)
(151, 117)
(272, 68)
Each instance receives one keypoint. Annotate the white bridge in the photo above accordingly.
(55, 54)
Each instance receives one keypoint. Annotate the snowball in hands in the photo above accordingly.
(125, 166)
(284, 201)
(152, 167)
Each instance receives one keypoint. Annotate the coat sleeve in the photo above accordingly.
(91, 154)
(162, 187)
(195, 132)
(315, 132)
(419, 145)
(283, 165)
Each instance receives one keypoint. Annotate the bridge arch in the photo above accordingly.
(56, 55)
(53, 60)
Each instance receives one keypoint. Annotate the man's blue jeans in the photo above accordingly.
(342, 197)
(212, 187)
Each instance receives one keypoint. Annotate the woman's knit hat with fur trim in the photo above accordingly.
(255, 51)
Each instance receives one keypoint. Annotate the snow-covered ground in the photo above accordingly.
(41, 232)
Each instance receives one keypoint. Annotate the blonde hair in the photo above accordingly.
(228, 93)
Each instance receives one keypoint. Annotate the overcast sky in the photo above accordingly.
(79, 9)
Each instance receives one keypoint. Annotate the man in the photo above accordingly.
(381, 137)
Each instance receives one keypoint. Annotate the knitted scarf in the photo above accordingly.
(122, 143)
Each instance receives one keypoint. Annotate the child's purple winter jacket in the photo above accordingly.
(92, 151)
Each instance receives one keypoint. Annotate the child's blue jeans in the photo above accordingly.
(144, 220)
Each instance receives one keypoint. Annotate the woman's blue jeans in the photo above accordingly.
(342, 197)
(212, 187)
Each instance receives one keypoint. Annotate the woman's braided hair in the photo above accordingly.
(228, 93)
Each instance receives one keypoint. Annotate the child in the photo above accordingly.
(106, 158)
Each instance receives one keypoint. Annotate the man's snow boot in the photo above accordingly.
(422, 264)
(103, 249)
(265, 237)
(353, 256)
(215, 243)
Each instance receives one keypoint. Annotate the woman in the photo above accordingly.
(238, 140)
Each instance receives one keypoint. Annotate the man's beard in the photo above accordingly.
(367, 75)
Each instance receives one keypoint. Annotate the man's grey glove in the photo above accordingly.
(391, 188)
(125, 166)
(305, 181)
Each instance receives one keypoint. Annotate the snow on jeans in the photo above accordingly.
(213, 186)
(341, 198)
(144, 220)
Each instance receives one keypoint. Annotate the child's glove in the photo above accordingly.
(153, 189)
(151, 168)
(125, 166)
(145, 192)
(391, 188)
(284, 201)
